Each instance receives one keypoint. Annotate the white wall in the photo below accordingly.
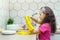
(4, 12)
(20, 8)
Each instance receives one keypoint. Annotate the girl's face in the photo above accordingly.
(42, 15)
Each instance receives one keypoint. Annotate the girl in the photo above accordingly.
(47, 23)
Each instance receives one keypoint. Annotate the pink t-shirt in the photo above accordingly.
(45, 30)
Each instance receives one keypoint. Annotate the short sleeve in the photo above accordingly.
(43, 28)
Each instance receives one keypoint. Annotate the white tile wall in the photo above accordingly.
(17, 6)
(21, 8)
(37, 1)
(21, 13)
(45, 1)
(13, 13)
(33, 6)
(41, 4)
(25, 6)
(29, 1)
(57, 5)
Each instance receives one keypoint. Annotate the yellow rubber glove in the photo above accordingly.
(28, 23)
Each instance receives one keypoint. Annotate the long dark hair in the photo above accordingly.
(49, 18)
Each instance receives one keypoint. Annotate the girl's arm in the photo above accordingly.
(36, 31)
(39, 22)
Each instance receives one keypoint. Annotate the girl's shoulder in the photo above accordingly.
(45, 24)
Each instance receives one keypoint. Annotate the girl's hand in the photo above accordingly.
(35, 20)
(36, 31)
(30, 17)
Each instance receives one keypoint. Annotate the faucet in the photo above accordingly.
(34, 14)
(34, 24)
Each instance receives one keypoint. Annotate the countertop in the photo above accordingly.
(18, 37)
(57, 32)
